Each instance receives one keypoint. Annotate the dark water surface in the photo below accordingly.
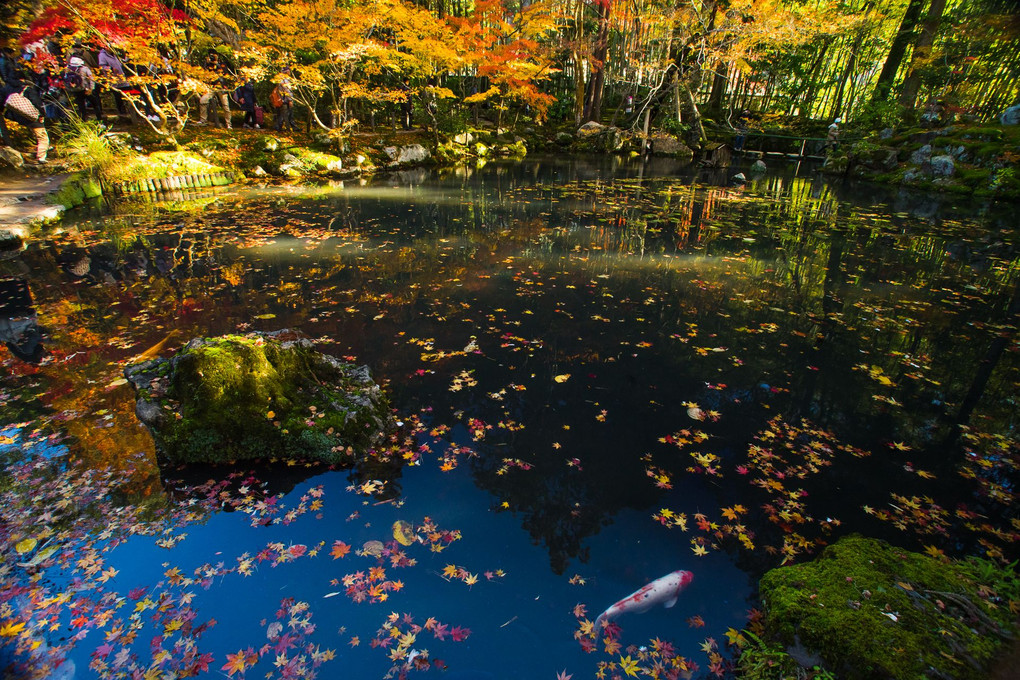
(606, 372)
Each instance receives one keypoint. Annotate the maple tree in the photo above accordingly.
(158, 43)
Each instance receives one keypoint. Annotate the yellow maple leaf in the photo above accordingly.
(629, 666)
(12, 629)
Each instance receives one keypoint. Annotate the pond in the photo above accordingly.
(605, 371)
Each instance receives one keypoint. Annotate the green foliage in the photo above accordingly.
(1006, 182)
(863, 598)
(674, 127)
(760, 660)
(878, 115)
(450, 119)
(87, 147)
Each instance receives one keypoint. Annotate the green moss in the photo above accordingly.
(874, 611)
(70, 193)
(245, 397)
(315, 159)
(975, 176)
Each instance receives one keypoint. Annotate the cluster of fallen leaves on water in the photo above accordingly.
(55, 582)
(782, 460)
(659, 658)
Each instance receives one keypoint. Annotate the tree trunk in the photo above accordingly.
(812, 78)
(855, 48)
(692, 115)
(904, 37)
(719, 83)
(912, 84)
(597, 80)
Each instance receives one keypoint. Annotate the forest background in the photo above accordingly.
(634, 63)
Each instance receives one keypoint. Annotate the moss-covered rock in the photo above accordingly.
(871, 610)
(260, 395)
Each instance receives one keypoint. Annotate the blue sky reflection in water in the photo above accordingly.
(606, 372)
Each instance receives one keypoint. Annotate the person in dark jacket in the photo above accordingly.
(8, 76)
(23, 105)
(246, 100)
(8, 67)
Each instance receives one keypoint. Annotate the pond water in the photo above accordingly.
(606, 371)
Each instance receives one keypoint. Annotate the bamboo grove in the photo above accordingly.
(635, 63)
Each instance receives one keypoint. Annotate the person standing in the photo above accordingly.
(246, 100)
(8, 67)
(8, 76)
(741, 129)
(80, 85)
(832, 138)
(283, 106)
(220, 90)
(111, 68)
(23, 105)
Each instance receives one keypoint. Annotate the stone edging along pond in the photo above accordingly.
(176, 183)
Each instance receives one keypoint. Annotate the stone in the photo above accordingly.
(391, 152)
(464, 138)
(739, 178)
(481, 150)
(1010, 116)
(258, 396)
(11, 156)
(412, 153)
(259, 171)
(669, 145)
(595, 137)
(564, 138)
(891, 160)
(759, 167)
(862, 598)
(922, 155)
(270, 144)
(590, 128)
(886, 133)
(335, 165)
(943, 166)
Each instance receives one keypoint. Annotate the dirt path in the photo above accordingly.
(23, 201)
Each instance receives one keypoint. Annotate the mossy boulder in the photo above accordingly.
(870, 610)
(256, 396)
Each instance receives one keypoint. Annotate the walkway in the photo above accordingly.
(23, 201)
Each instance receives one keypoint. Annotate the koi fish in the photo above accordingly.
(664, 590)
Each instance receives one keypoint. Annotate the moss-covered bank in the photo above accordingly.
(870, 610)
(258, 396)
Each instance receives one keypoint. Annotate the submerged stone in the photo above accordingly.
(255, 396)
(871, 610)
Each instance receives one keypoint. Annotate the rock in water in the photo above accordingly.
(863, 598)
(260, 395)
(759, 167)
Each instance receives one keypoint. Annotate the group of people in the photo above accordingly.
(22, 103)
(218, 94)
(42, 84)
